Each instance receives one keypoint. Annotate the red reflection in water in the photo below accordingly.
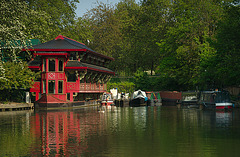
(65, 133)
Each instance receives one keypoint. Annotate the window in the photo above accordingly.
(60, 65)
(51, 87)
(44, 65)
(68, 96)
(60, 87)
(44, 86)
(71, 76)
(51, 65)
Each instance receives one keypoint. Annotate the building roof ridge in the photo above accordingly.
(69, 39)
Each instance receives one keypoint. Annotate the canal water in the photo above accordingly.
(121, 132)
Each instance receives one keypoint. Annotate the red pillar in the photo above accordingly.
(46, 75)
(71, 96)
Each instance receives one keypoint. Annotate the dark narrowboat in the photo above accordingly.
(215, 100)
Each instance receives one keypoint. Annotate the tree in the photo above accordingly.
(61, 13)
(128, 55)
(11, 29)
(11, 26)
(108, 24)
(125, 86)
(80, 30)
(186, 41)
(153, 23)
(141, 80)
(228, 48)
(17, 75)
(106, 29)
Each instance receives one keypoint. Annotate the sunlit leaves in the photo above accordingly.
(17, 75)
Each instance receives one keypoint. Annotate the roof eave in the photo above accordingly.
(34, 67)
(101, 55)
(54, 50)
(88, 68)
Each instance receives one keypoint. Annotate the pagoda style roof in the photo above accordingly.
(62, 44)
(76, 65)
(73, 65)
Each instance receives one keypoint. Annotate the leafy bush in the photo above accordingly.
(126, 87)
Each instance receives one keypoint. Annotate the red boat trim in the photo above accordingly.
(223, 107)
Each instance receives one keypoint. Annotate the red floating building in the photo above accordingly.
(71, 73)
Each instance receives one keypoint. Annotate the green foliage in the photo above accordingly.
(188, 43)
(17, 75)
(54, 17)
(126, 87)
(12, 26)
(12, 95)
(80, 31)
(228, 48)
(106, 29)
(174, 39)
(141, 80)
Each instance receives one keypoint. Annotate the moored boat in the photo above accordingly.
(107, 99)
(189, 99)
(170, 98)
(138, 98)
(215, 100)
(154, 98)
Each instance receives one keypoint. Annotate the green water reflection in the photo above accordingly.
(140, 131)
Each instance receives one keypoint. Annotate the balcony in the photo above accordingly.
(85, 87)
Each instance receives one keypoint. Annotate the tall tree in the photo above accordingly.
(11, 28)
(129, 56)
(80, 30)
(228, 48)
(107, 24)
(61, 12)
(153, 23)
(14, 32)
(106, 28)
(186, 41)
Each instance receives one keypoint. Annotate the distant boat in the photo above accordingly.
(189, 99)
(107, 99)
(170, 98)
(215, 99)
(154, 98)
(138, 98)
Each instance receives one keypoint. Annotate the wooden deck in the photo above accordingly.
(16, 107)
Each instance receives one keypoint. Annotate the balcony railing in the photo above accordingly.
(85, 87)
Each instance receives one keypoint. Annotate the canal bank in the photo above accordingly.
(16, 106)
